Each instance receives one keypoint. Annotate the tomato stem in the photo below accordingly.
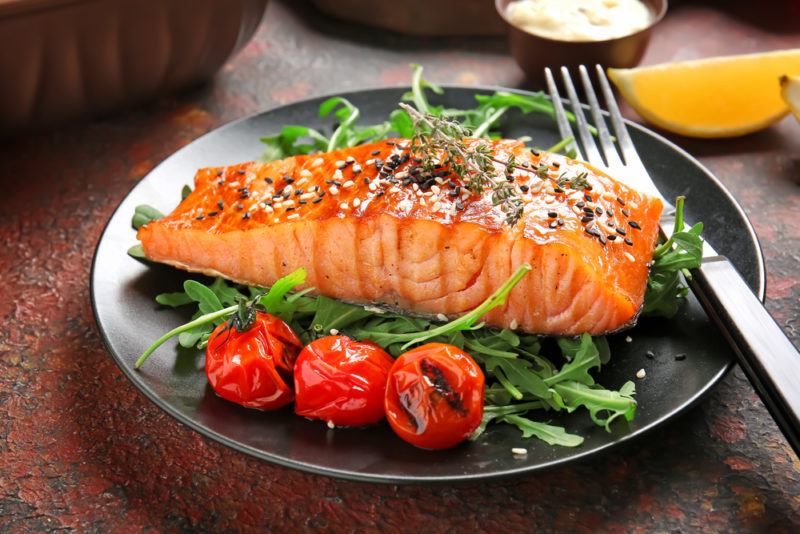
(203, 319)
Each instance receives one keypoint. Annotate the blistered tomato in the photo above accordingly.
(341, 380)
(434, 396)
(253, 366)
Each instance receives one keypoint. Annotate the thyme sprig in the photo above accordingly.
(440, 143)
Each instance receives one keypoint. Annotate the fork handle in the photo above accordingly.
(767, 356)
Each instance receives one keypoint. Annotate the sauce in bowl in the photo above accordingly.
(580, 20)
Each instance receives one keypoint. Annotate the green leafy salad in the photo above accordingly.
(527, 376)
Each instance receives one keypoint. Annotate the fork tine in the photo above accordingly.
(561, 116)
(606, 144)
(589, 146)
(629, 153)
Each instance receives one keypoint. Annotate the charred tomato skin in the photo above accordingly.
(434, 396)
(254, 367)
(341, 380)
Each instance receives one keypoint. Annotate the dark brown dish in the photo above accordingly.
(533, 53)
(75, 58)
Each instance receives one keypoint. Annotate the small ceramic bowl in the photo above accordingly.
(533, 53)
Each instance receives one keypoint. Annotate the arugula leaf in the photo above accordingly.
(144, 214)
(174, 300)
(136, 251)
(586, 357)
(518, 374)
(553, 435)
(186, 191)
(206, 300)
(293, 141)
(682, 251)
(599, 400)
(417, 93)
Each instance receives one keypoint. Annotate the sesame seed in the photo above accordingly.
(317, 162)
(357, 168)
(356, 202)
(293, 216)
(680, 357)
(301, 181)
(278, 205)
(333, 190)
(307, 196)
(401, 175)
(641, 373)
(348, 184)
(268, 180)
(621, 202)
(268, 209)
(337, 175)
(305, 173)
(316, 200)
(437, 206)
(341, 164)
(650, 354)
(628, 339)
(350, 159)
(630, 257)
(369, 161)
(442, 317)
(343, 205)
(435, 189)
(288, 203)
(372, 187)
(628, 241)
(634, 224)
(514, 324)
(519, 451)
(375, 152)
(611, 237)
(331, 425)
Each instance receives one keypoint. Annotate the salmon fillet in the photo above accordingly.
(370, 227)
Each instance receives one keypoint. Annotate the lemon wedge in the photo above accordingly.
(790, 91)
(713, 97)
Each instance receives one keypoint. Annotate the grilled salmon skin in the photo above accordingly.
(370, 225)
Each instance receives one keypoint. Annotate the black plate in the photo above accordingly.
(129, 319)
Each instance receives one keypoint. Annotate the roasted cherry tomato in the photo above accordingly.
(253, 367)
(434, 396)
(341, 380)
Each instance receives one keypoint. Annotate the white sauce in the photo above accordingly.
(580, 20)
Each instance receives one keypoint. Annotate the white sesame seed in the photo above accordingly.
(401, 175)
(305, 173)
(276, 219)
(357, 168)
(287, 189)
(234, 184)
(334, 332)
(436, 206)
(278, 205)
(307, 196)
(331, 425)
(438, 180)
(340, 164)
(422, 201)
(369, 161)
(373, 187)
(628, 339)
(317, 162)
(343, 205)
(633, 205)
(435, 189)
(641, 373)
(415, 187)
(608, 195)
(442, 317)
(268, 209)
(394, 189)
(348, 184)
(514, 324)
(519, 451)
(293, 216)
(350, 159)
(356, 202)
(427, 194)
(288, 203)
(630, 256)
(333, 190)
(301, 181)
(337, 175)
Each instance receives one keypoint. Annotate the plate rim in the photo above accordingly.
(467, 478)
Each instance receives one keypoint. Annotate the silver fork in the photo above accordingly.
(766, 355)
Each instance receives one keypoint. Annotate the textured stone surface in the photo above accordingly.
(81, 449)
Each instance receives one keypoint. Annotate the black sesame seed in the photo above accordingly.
(626, 213)
(561, 222)
(620, 231)
(298, 192)
(288, 179)
(200, 217)
(534, 152)
(602, 239)
(598, 210)
(287, 194)
(220, 204)
(405, 158)
(380, 193)
(612, 237)
(586, 218)
(219, 173)
(452, 194)
(556, 164)
(240, 171)
(634, 224)
(588, 210)
(524, 188)
(289, 209)
(612, 224)
(628, 241)
(239, 206)
(375, 152)
(621, 202)
(552, 214)
(212, 213)
(302, 201)
(580, 204)
(268, 180)
(650, 354)
(459, 205)
(558, 190)
(680, 357)
(510, 178)
(316, 200)
(587, 197)
(390, 143)
(366, 181)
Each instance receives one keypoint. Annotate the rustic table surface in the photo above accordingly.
(82, 449)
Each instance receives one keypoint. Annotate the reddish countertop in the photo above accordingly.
(81, 449)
